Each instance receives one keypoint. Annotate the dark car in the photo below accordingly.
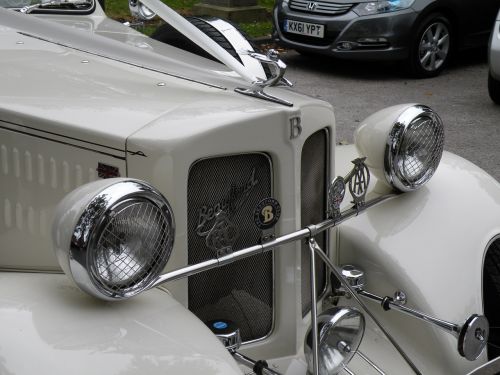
(422, 32)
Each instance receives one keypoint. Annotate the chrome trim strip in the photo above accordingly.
(65, 143)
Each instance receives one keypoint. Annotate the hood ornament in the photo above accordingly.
(277, 68)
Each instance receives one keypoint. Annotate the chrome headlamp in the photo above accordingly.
(403, 145)
(414, 148)
(114, 237)
(340, 333)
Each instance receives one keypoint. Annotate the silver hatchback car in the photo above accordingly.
(494, 59)
(422, 32)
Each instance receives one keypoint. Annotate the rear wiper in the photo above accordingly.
(55, 3)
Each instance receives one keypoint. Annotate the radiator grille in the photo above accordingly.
(314, 174)
(320, 7)
(241, 291)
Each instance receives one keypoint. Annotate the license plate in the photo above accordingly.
(304, 28)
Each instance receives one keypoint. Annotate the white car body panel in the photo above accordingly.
(98, 92)
(52, 328)
(397, 263)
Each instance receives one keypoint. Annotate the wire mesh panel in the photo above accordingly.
(314, 172)
(132, 246)
(241, 291)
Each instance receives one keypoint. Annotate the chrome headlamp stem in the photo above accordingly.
(313, 247)
(388, 304)
(338, 274)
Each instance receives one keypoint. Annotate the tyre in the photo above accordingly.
(494, 89)
(169, 35)
(430, 48)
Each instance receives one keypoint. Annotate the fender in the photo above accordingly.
(411, 241)
(50, 327)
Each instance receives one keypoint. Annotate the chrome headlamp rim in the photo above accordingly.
(395, 140)
(97, 213)
(332, 319)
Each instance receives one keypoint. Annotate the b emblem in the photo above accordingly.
(295, 127)
(267, 213)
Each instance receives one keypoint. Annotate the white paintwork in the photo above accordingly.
(429, 243)
(372, 134)
(50, 327)
(37, 170)
(76, 114)
(494, 51)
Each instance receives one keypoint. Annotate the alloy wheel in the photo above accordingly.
(434, 46)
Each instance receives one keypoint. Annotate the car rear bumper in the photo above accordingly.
(379, 37)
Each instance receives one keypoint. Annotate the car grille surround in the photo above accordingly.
(314, 179)
(320, 7)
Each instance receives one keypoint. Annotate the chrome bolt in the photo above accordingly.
(343, 347)
(480, 334)
(400, 297)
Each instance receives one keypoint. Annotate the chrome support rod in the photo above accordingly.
(313, 246)
(388, 304)
(345, 284)
(306, 233)
(259, 249)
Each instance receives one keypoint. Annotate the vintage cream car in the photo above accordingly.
(166, 213)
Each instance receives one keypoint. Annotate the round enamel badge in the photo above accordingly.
(267, 213)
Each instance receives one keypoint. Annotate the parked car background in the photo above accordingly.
(424, 33)
(494, 60)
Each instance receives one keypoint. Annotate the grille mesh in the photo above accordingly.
(320, 7)
(132, 245)
(241, 291)
(313, 205)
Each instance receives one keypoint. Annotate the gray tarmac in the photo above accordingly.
(459, 95)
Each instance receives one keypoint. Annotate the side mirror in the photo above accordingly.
(140, 11)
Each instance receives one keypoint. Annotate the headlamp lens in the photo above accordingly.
(132, 247)
(414, 148)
